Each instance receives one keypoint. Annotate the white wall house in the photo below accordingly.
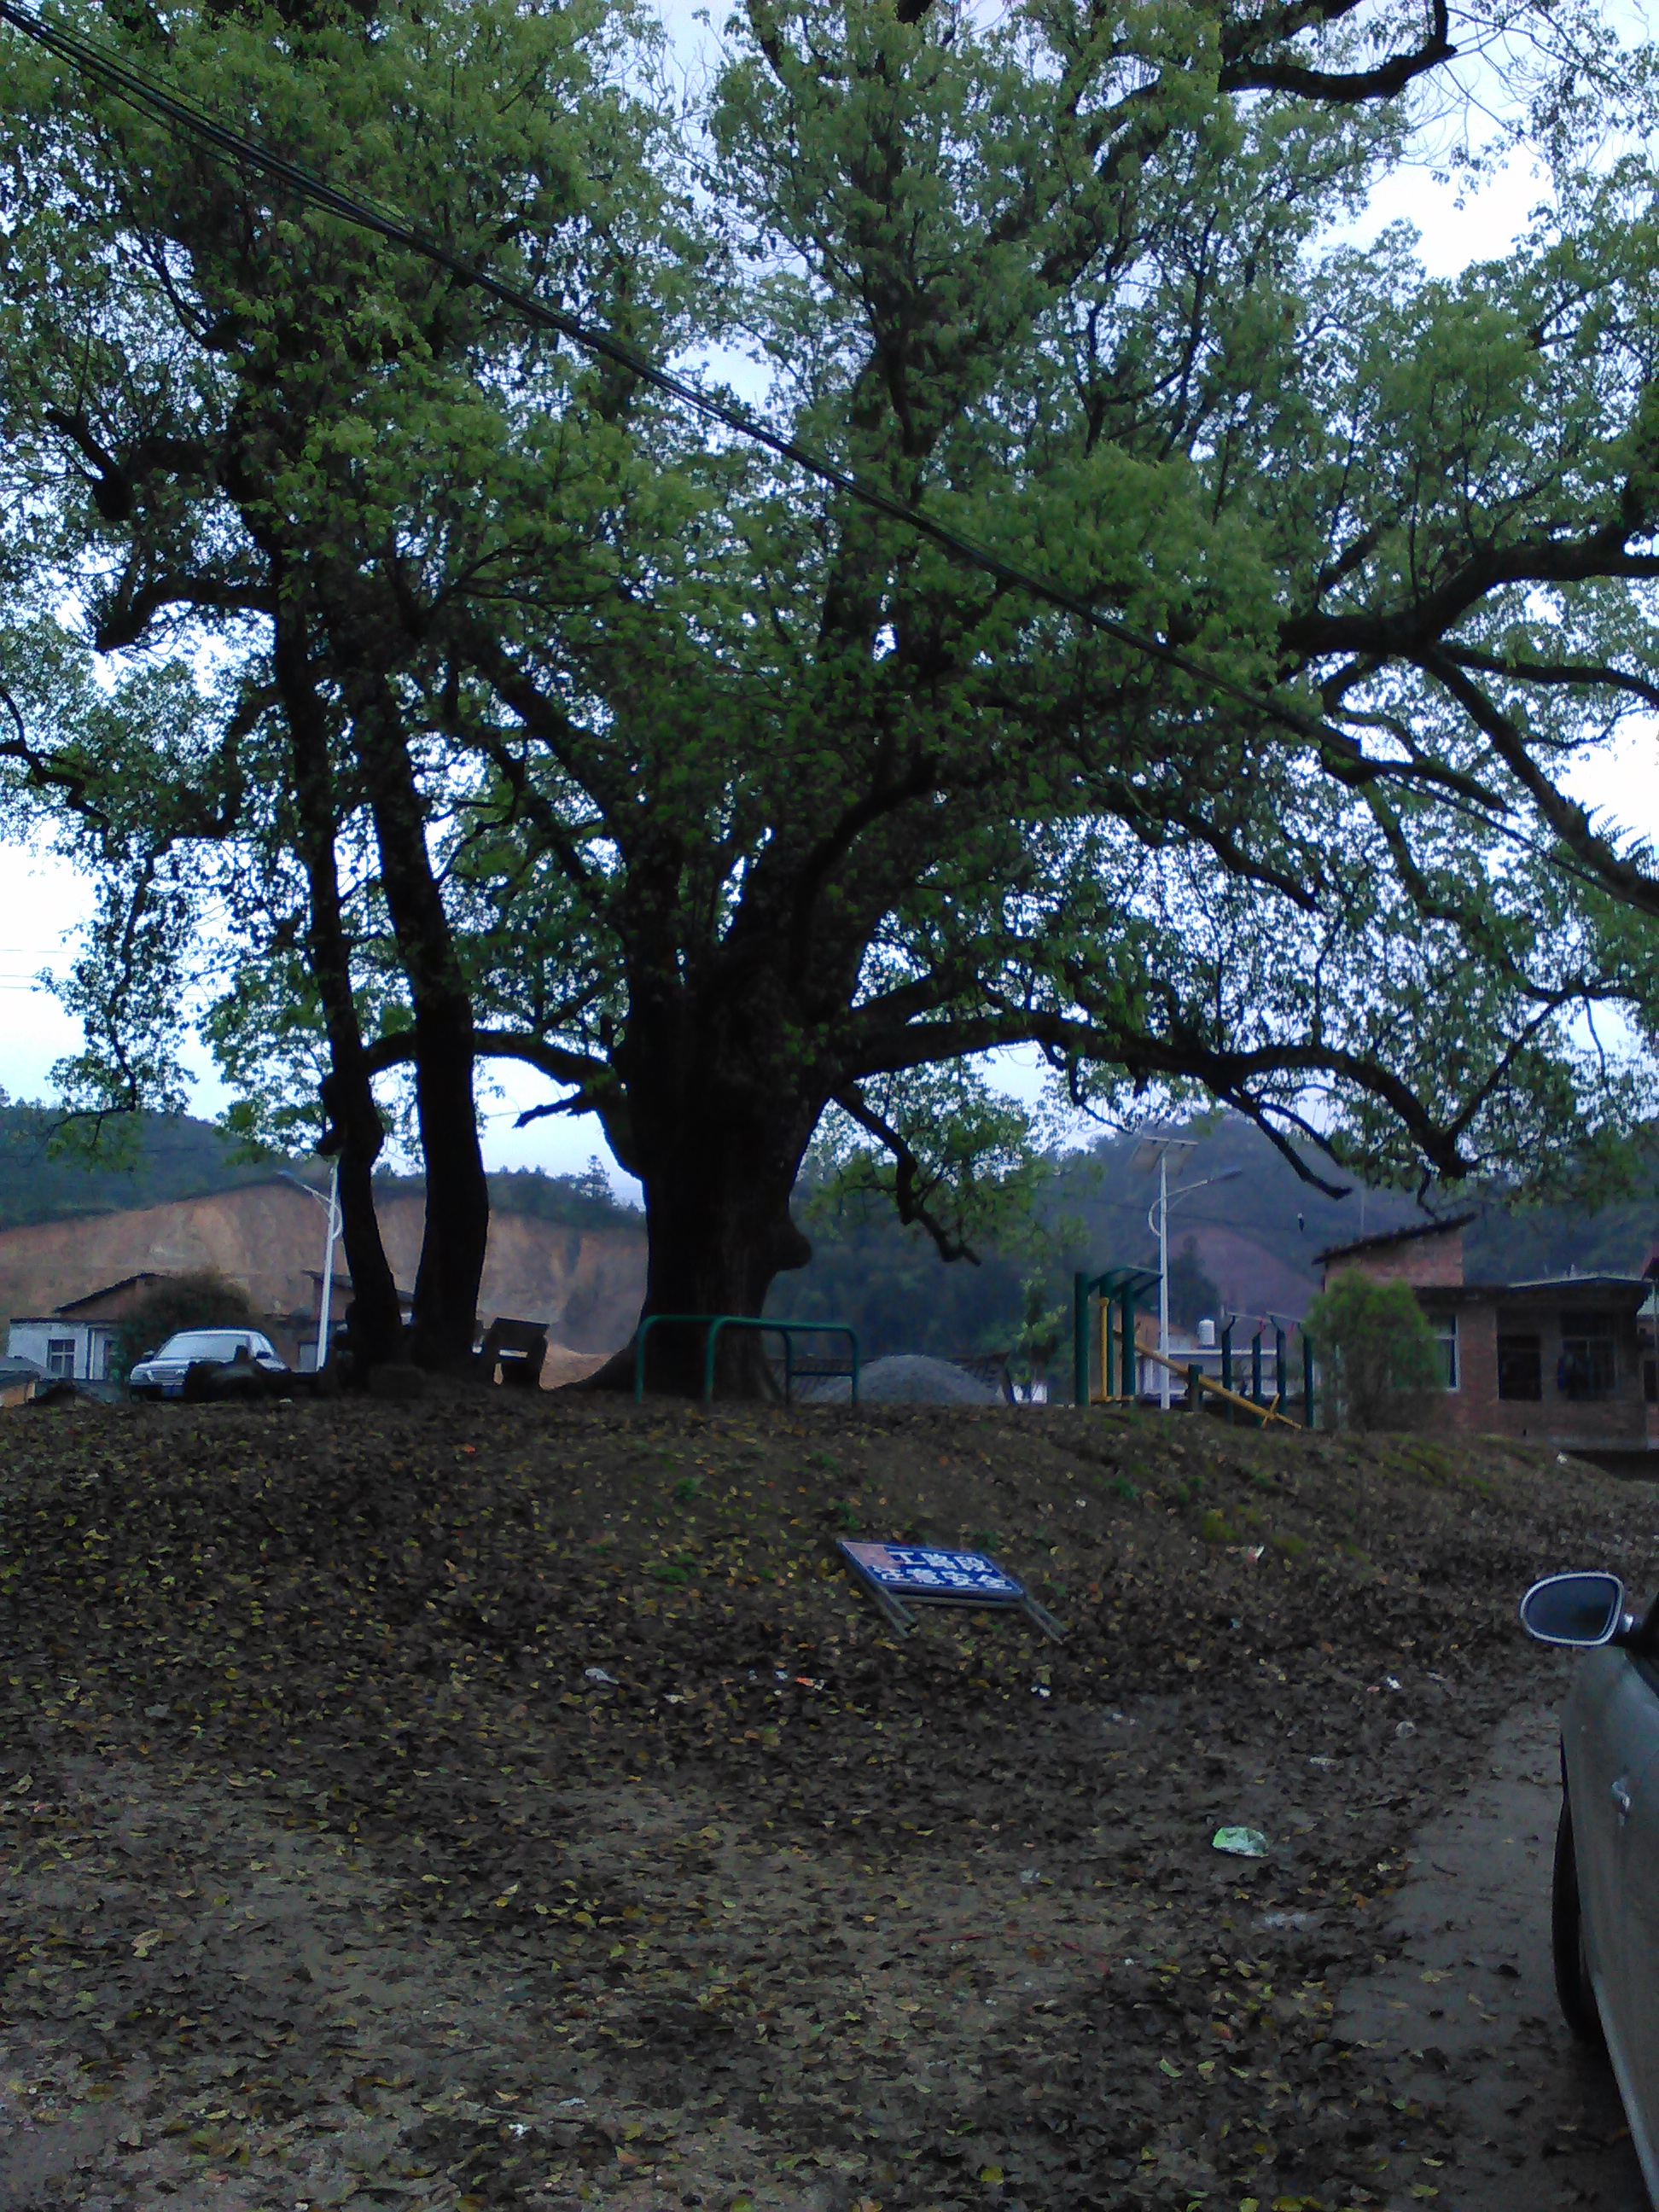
(77, 1350)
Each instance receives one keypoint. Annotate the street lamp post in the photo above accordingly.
(1167, 1198)
(1164, 1282)
(330, 1237)
(326, 1303)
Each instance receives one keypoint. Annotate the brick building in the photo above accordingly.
(1568, 1361)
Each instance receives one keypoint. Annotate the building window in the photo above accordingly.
(1519, 1367)
(1589, 1366)
(60, 1356)
(1445, 1328)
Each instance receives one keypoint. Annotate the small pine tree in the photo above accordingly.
(1379, 1355)
(1041, 1327)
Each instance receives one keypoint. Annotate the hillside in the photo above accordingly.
(585, 1284)
(1257, 1234)
(1254, 1238)
(508, 1802)
(176, 1156)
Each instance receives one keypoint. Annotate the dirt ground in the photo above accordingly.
(495, 1801)
(1463, 2018)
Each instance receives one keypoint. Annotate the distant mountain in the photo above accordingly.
(1559, 1240)
(177, 1157)
(1253, 1226)
(1258, 1232)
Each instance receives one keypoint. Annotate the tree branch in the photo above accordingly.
(1339, 87)
(1570, 821)
(910, 1199)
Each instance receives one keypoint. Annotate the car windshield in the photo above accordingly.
(207, 1343)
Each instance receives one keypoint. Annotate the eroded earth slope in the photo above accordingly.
(484, 1802)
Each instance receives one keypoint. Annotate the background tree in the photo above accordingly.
(198, 1300)
(1193, 1295)
(220, 471)
(1378, 1355)
(1041, 1327)
(729, 808)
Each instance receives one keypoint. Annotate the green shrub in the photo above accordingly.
(1379, 1358)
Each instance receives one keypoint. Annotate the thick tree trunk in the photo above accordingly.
(457, 1233)
(718, 1157)
(457, 1194)
(354, 1130)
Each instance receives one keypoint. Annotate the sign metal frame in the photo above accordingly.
(935, 1574)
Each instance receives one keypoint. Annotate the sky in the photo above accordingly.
(43, 902)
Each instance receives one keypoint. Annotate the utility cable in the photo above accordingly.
(143, 92)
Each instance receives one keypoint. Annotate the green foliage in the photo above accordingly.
(198, 1300)
(585, 1201)
(1378, 1356)
(1193, 1294)
(1042, 1328)
(961, 1162)
(582, 1200)
(889, 1281)
(745, 812)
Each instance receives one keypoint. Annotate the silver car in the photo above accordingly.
(162, 1374)
(1605, 1898)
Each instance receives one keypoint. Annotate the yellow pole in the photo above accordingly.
(1263, 1413)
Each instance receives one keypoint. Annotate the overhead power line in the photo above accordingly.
(134, 85)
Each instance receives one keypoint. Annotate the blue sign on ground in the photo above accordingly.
(918, 1571)
(927, 1574)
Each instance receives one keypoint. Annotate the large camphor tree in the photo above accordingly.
(541, 720)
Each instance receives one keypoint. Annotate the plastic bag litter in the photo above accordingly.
(1241, 1842)
(599, 1674)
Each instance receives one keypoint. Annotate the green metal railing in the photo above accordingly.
(1123, 1285)
(788, 1330)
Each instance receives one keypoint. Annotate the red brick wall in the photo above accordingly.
(1435, 1259)
(1475, 1407)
